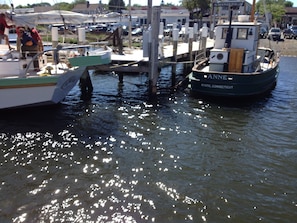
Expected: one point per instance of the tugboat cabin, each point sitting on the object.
(228, 54)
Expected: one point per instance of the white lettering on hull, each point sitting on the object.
(228, 87)
(217, 77)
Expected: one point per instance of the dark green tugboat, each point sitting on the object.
(236, 66)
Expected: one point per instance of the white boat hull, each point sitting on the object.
(23, 86)
(29, 95)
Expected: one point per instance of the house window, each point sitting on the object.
(242, 33)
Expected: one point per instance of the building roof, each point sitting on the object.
(291, 10)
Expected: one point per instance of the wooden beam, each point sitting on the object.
(124, 69)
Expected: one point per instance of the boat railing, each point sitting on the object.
(266, 62)
(200, 56)
(55, 58)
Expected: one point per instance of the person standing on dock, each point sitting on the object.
(35, 35)
(28, 44)
(3, 25)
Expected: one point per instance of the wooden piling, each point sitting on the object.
(174, 58)
(191, 34)
(85, 85)
(202, 44)
(186, 34)
(153, 71)
(195, 31)
(149, 12)
(121, 78)
(55, 37)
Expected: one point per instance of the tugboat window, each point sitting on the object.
(242, 33)
(224, 33)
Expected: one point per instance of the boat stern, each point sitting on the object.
(66, 83)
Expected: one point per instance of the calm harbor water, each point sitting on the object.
(122, 158)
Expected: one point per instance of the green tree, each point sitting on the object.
(34, 5)
(76, 2)
(289, 4)
(4, 6)
(275, 7)
(64, 6)
(197, 8)
(116, 5)
(61, 5)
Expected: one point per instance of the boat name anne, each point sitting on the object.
(217, 77)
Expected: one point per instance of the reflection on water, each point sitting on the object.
(121, 158)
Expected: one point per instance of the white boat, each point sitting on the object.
(83, 56)
(23, 86)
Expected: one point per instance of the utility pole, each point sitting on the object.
(130, 25)
(149, 12)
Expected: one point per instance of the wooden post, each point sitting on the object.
(191, 34)
(195, 31)
(174, 58)
(153, 71)
(120, 41)
(145, 43)
(149, 12)
(85, 85)
(55, 37)
(121, 78)
(186, 34)
(161, 40)
(202, 44)
(81, 35)
(188, 66)
(211, 19)
(130, 26)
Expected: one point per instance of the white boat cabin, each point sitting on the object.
(236, 53)
(12, 63)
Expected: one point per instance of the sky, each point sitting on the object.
(142, 2)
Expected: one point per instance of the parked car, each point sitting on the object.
(113, 26)
(294, 30)
(168, 30)
(263, 33)
(12, 36)
(72, 28)
(125, 30)
(136, 32)
(60, 27)
(288, 34)
(98, 28)
(274, 34)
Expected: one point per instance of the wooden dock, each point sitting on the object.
(133, 61)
